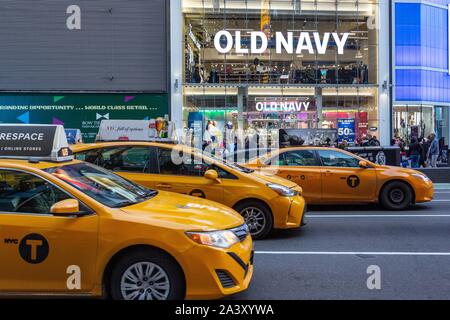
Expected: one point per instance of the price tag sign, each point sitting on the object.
(346, 130)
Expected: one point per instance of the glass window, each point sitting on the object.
(128, 159)
(25, 193)
(332, 158)
(189, 166)
(105, 187)
(299, 158)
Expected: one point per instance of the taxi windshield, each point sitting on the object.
(103, 186)
(232, 165)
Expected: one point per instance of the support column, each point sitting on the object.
(384, 78)
(319, 106)
(176, 63)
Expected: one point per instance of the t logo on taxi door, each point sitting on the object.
(353, 181)
(33, 248)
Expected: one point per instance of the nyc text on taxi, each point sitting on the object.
(69, 227)
(265, 201)
(334, 176)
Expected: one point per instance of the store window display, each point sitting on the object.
(333, 65)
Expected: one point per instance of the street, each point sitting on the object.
(328, 259)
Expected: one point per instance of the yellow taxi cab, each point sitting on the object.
(265, 201)
(334, 176)
(71, 228)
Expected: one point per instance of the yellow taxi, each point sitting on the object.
(334, 176)
(265, 201)
(71, 228)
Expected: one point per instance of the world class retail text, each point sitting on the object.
(19, 136)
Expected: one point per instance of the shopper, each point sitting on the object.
(414, 152)
(433, 151)
(374, 142)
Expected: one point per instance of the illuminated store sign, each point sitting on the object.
(259, 42)
(287, 106)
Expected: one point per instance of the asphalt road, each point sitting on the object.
(329, 258)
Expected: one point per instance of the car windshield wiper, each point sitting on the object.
(124, 203)
(149, 194)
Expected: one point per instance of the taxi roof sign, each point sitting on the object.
(34, 142)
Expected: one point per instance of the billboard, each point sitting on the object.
(80, 111)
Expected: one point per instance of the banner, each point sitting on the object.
(80, 111)
(346, 130)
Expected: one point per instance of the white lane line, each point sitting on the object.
(378, 216)
(353, 253)
(448, 200)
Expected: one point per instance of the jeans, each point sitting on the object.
(415, 161)
(433, 160)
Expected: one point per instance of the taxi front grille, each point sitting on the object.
(241, 232)
(225, 279)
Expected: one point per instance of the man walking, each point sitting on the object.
(433, 151)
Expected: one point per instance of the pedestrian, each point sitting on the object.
(373, 142)
(414, 152)
(433, 151)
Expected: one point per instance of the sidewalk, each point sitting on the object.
(442, 186)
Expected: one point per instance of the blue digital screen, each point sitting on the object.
(421, 40)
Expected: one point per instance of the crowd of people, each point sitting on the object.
(421, 152)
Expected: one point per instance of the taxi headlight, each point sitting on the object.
(422, 177)
(282, 190)
(219, 239)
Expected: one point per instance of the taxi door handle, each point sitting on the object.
(163, 185)
(328, 173)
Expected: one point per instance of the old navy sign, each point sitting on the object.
(224, 42)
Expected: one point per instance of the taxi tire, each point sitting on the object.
(399, 186)
(176, 277)
(267, 215)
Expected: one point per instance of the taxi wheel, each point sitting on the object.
(396, 196)
(147, 275)
(258, 218)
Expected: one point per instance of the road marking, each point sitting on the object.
(442, 192)
(378, 216)
(448, 200)
(353, 253)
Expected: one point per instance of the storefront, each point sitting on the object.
(421, 75)
(281, 64)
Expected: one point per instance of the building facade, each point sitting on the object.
(369, 67)
(421, 75)
(284, 64)
(78, 62)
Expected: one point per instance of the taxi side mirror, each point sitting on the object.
(66, 208)
(363, 164)
(212, 175)
(259, 163)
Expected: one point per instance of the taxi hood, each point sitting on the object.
(272, 178)
(185, 213)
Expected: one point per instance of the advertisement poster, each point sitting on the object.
(346, 130)
(80, 111)
(310, 137)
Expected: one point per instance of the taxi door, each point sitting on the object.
(343, 179)
(40, 252)
(303, 168)
(185, 174)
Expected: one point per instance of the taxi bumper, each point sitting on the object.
(212, 273)
(424, 192)
(288, 212)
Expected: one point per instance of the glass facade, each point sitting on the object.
(318, 64)
(422, 81)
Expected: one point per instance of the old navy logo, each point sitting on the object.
(259, 42)
(293, 106)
